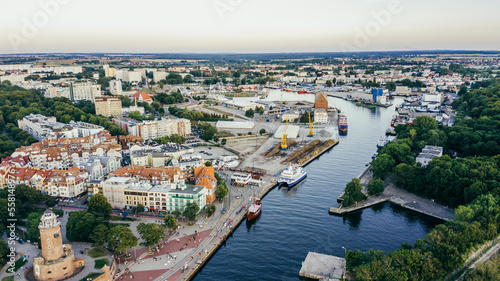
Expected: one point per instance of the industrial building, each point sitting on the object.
(292, 132)
(221, 125)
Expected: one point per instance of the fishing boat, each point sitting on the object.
(343, 124)
(254, 209)
(292, 175)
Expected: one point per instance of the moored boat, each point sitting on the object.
(292, 175)
(254, 209)
(343, 124)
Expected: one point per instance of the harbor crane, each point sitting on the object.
(311, 131)
(283, 138)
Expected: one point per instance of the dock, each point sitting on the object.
(397, 196)
(323, 267)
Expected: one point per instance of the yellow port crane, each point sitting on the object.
(311, 131)
(283, 138)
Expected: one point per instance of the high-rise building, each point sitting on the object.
(57, 260)
(108, 106)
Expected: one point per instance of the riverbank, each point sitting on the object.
(396, 196)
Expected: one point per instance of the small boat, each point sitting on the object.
(382, 142)
(292, 175)
(343, 124)
(420, 109)
(254, 209)
(435, 110)
(302, 92)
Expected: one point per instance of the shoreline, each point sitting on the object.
(397, 196)
(237, 221)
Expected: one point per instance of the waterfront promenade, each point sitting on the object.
(397, 196)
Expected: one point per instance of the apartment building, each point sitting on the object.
(156, 176)
(124, 192)
(158, 156)
(108, 106)
(56, 183)
(155, 129)
(47, 128)
(115, 87)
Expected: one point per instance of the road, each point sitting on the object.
(484, 258)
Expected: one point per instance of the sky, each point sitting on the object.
(247, 26)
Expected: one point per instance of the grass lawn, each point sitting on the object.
(101, 263)
(19, 263)
(91, 275)
(120, 218)
(97, 253)
(8, 278)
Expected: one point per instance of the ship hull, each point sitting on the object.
(292, 184)
(251, 216)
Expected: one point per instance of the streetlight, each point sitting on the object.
(345, 250)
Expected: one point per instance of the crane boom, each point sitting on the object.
(311, 131)
(283, 138)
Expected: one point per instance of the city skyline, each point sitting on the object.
(238, 26)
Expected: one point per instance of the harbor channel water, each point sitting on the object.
(296, 221)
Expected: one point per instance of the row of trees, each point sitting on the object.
(175, 138)
(197, 116)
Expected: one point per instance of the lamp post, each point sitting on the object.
(345, 250)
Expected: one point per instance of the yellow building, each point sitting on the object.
(108, 106)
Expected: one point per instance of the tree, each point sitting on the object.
(376, 186)
(32, 225)
(28, 195)
(329, 83)
(382, 165)
(208, 164)
(353, 192)
(80, 225)
(100, 205)
(391, 86)
(223, 141)
(49, 200)
(121, 238)
(151, 233)
(99, 235)
(261, 111)
(170, 222)
(139, 208)
(262, 131)
(191, 210)
(211, 209)
(221, 191)
(249, 113)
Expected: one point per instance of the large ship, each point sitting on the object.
(292, 175)
(254, 209)
(342, 124)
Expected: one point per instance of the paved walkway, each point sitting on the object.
(400, 197)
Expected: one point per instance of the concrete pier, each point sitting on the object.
(397, 196)
(320, 266)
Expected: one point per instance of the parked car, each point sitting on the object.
(223, 211)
